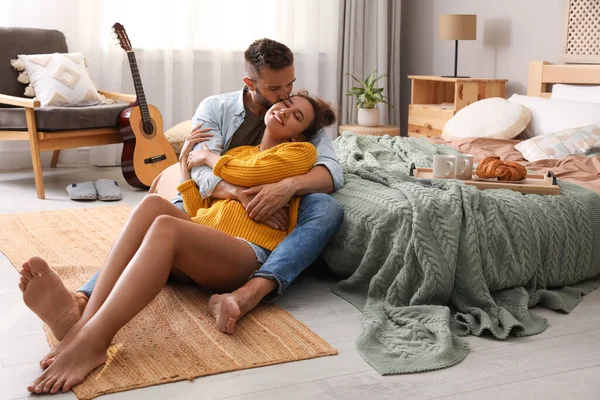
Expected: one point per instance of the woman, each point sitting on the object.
(160, 240)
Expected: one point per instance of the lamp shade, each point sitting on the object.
(457, 27)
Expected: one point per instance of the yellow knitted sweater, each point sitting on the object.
(248, 166)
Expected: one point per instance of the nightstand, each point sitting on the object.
(434, 100)
(371, 130)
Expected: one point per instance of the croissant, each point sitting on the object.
(511, 171)
(487, 167)
(493, 167)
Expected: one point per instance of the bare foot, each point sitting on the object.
(70, 368)
(226, 310)
(49, 358)
(46, 295)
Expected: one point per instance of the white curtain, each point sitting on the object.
(186, 49)
(370, 39)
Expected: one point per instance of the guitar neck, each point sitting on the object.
(139, 90)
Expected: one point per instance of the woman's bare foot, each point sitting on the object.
(49, 358)
(70, 368)
(46, 295)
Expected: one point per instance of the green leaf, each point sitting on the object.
(379, 77)
(367, 96)
(356, 79)
(370, 78)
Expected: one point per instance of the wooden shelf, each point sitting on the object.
(433, 107)
(426, 117)
(449, 79)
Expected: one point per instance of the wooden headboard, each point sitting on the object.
(542, 75)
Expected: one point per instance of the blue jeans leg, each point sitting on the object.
(178, 202)
(88, 287)
(319, 218)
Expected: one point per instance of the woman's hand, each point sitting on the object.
(198, 135)
(197, 157)
(202, 156)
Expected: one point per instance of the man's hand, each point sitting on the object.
(268, 199)
(279, 220)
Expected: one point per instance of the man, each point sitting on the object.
(237, 119)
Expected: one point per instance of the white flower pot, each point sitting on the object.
(368, 117)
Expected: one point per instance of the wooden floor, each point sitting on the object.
(562, 362)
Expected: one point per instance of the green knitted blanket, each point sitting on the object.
(429, 263)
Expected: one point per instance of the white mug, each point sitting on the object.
(443, 166)
(463, 166)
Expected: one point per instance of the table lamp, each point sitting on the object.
(457, 27)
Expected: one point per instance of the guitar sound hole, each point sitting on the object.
(148, 127)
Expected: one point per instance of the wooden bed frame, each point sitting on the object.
(542, 75)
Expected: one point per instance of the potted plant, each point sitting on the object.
(367, 98)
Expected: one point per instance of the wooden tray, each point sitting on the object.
(533, 183)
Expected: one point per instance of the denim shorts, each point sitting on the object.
(261, 253)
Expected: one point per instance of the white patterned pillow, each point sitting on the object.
(558, 145)
(60, 80)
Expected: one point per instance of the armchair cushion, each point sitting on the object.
(63, 118)
(14, 41)
(60, 80)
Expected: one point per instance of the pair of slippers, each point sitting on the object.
(103, 190)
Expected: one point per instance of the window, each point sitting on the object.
(196, 24)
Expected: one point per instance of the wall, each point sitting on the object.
(510, 33)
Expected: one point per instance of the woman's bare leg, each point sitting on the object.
(121, 253)
(211, 258)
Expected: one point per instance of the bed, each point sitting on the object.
(430, 262)
(584, 171)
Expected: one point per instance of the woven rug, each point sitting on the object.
(175, 337)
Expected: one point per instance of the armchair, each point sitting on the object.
(51, 128)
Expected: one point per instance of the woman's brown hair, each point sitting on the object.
(324, 114)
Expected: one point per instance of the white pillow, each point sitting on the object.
(60, 80)
(587, 94)
(549, 115)
(494, 118)
(558, 145)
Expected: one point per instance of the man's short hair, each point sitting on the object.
(267, 53)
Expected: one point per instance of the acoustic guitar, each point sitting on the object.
(146, 150)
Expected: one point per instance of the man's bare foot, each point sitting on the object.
(46, 295)
(70, 368)
(226, 310)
